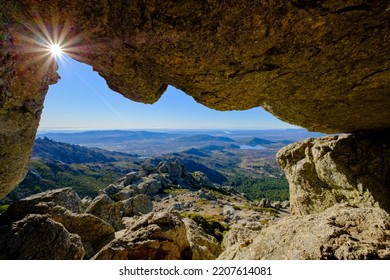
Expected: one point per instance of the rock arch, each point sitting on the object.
(323, 65)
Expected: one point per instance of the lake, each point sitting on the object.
(247, 147)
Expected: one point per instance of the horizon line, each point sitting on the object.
(160, 128)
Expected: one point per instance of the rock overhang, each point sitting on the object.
(323, 65)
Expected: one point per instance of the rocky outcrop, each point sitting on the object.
(93, 231)
(243, 232)
(323, 65)
(158, 236)
(38, 237)
(112, 212)
(154, 180)
(340, 232)
(42, 203)
(353, 168)
(107, 210)
(202, 245)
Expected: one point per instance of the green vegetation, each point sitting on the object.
(264, 222)
(210, 224)
(175, 191)
(258, 188)
(200, 202)
(3, 208)
(68, 153)
(85, 179)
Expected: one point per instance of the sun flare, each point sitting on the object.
(56, 50)
(50, 40)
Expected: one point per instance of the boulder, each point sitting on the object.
(125, 193)
(339, 232)
(38, 237)
(353, 168)
(172, 168)
(42, 203)
(158, 236)
(228, 211)
(91, 229)
(203, 246)
(138, 205)
(107, 210)
(202, 179)
(150, 186)
(276, 204)
(112, 212)
(132, 178)
(285, 204)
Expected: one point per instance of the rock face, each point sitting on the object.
(323, 65)
(340, 232)
(42, 203)
(157, 236)
(94, 232)
(203, 246)
(335, 169)
(20, 240)
(112, 212)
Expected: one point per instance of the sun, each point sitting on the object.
(56, 50)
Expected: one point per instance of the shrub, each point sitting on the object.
(209, 224)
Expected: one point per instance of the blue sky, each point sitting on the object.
(82, 100)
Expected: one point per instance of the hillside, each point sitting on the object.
(258, 141)
(88, 170)
(68, 153)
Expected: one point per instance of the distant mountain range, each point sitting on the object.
(107, 136)
(69, 153)
(204, 138)
(149, 143)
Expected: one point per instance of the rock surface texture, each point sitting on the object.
(157, 236)
(93, 231)
(42, 203)
(340, 232)
(38, 237)
(353, 168)
(203, 246)
(323, 65)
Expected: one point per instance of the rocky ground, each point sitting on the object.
(165, 212)
(160, 212)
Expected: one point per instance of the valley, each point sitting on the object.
(89, 161)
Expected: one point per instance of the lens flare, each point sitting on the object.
(55, 50)
(50, 39)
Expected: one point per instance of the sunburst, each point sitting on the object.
(48, 40)
(55, 50)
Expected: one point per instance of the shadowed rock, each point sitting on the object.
(93, 231)
(38, 237)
